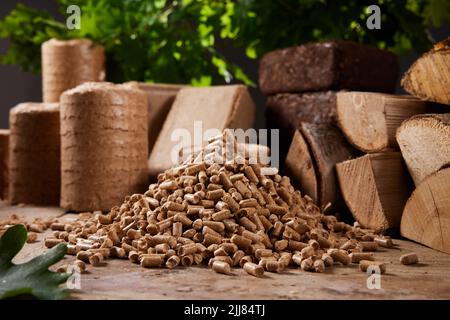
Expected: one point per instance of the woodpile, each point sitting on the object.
(424, 141)
(302, 84)
(196, 110)
(68, 63)
(34, 154)
(104, 145)
(4, 163)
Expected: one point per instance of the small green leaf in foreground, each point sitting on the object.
(32, 277)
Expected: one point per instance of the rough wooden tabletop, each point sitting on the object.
(120, 279)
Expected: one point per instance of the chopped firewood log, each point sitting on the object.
(312, 159)
(300, 166)
(369, 120)
(375, 188)
(425, 144)
(426, 217)
(429, 77)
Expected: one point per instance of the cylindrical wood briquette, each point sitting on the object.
(69, 63)
(34, 157)
(103, 145)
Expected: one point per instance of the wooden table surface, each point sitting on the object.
(120, 279)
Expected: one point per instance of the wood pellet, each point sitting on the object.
(223, 216)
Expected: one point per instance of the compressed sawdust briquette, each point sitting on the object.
(69, 63)
(34, 154)
(104, 145)
(172, 224)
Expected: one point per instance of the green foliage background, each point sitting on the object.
(176, 41)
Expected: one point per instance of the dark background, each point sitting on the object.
(17, 86)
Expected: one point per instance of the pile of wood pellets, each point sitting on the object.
(223, 215)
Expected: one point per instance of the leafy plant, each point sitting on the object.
(33, 277)
(183, 40)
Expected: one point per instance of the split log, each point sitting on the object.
(369, 120)
(425, 144)
(300, 166)
(429, 77)
(426, 217)
(313, 157)
(375, 188)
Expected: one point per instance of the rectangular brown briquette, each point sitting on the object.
(331, 65)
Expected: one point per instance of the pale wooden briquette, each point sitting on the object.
(424, 141)
(375, 188)
(369, 120)
(426, 217)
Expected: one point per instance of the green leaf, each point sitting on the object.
(32, 277)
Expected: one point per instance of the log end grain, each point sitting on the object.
(424, 141)
(300, 165)
(375, 187)
(369, 120)
(429, 77)
(426, 217)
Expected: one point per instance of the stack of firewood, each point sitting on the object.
(302, 84)
(392, 137)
